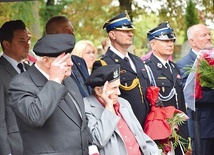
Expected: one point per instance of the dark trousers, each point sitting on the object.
(207, 146)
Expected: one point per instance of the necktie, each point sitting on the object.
(21, 67)
(127, 60)
(116, 108)
(168, 70)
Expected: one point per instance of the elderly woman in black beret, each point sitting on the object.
(112, 123)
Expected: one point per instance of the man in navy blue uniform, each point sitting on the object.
(201, 122)
(133, 76)
(164, 73)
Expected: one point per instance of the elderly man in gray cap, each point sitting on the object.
(47, 102)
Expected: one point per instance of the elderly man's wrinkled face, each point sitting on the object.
(202, 39)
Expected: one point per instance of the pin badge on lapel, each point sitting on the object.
(116, 60)
(159, 65)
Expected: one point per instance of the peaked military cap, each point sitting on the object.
(102, 74)
(162, 32)
(54, 44)
(120, 22)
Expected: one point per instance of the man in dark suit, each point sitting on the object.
(133, 76)
(201, 122)
(62, 25)
(47, 103)
(15, 44)
(164, 73)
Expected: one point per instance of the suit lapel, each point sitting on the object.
(192, 55)
(96, 106)
(40, 80)
(67, 110)
(175, 73)
(73, 90)
(8, 67)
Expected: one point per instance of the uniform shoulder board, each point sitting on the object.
(102, 56)
(147, 61)
(98, 63)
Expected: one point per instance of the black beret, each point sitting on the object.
(102, 74)
(162, 32)
(120, 22)
(54, 44)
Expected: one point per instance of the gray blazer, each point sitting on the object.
(47, 123)
(103, 126)
(10, 139)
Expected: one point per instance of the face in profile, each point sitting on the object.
(202, 39)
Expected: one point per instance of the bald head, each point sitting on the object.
(199, 37)
(59, 25)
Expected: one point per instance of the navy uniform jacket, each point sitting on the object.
(204, 106)
(166, 82)
(80, 74)
(129, 78)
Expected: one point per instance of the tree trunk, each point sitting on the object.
(126, 5)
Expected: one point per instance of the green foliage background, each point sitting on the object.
(88, 16)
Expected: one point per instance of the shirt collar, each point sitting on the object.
(118, 53)
(161, 60)
(43, 73)
(194, 51)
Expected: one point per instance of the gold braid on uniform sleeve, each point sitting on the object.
(103, 63)
(135, 82)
